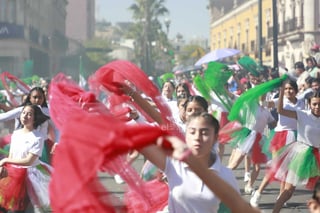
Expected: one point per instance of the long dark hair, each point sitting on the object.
(38, 89)
(39, 117)
(199, 99)
(185, 87)
(315, 94)
(210, 119)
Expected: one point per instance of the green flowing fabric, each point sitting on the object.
(248, 102)
(166, 77)
(202, 87)
(30, 80)
(267, 143)
(239, 137)
(216, 76)
(304, 164)
(249, 64)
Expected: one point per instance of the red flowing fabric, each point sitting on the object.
(92, 140)
(226, 131)
(121, 71)
(66, 97)
(88, 141)
(5, 78)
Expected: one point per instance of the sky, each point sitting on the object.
(189, 17)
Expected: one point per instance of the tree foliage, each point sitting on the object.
(148, 31)
(190, 54)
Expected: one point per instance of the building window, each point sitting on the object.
(12, 16)
(253, 47)
(3, 10)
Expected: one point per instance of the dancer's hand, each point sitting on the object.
(179, 150)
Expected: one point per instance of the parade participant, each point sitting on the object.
(302, 76)
(36, 96)
(167, 93)
(297, 163)
(182, 90)
(251, 145)
(313, 68)
(24, 180)
(285, 131)
(201, 135)
(249, 110)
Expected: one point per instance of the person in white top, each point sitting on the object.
(167, 93)
(36, 96)
(24, 180)
(302, 76)
(297, 163)
(251, 143)
(201, 136)
(199, 154)
(285, 131)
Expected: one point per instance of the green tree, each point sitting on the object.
(97, 50)
(190, 54)
(148, 31)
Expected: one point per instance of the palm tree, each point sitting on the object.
(147, 28)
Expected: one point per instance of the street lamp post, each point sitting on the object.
(260, 33)
(275, 34)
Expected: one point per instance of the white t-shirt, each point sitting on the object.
(262, 118)
(284, 122)
(188, 193)
(24, 143)
(308, 128)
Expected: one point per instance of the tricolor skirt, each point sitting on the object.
(282, 138)
(297, 164)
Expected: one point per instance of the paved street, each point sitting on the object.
(296, 204)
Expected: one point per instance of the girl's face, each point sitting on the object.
(167, 90)
(193, 108)
(27, 117)
(289, 91)
(315, 106)
(36, 97)
(182, 112)
(181, 92)
(200, 137)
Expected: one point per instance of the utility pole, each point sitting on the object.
(275, 34)
(260, 33)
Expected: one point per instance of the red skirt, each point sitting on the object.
(257, 156)
(13, 189)
(280, 139)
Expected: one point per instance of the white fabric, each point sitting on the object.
(262, 118)
(301, 81)
(38, 188)
(10, 115)
(308, 128)
(24, 143)
(284, 122)
(289, 175)
(188, 193)
(245, 147)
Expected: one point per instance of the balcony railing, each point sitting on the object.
(290, 25)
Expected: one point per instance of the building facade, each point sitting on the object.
(234, 24)
(80, 22)
(32, 30)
